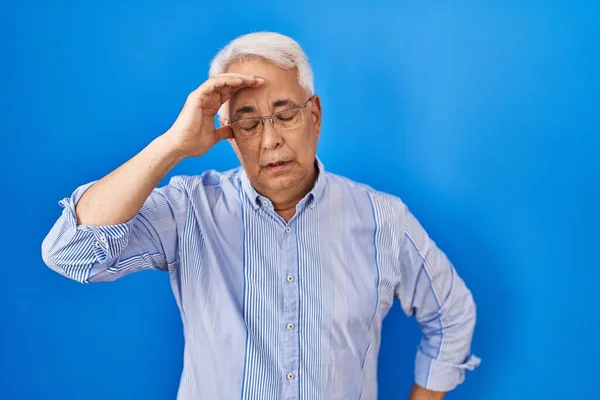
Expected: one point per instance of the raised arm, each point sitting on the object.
(122, 223)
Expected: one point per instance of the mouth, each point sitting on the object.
(277, 166)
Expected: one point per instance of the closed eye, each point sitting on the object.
(287, 115)
(248, 124)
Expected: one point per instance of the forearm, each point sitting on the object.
(418, 393)
(119, 196)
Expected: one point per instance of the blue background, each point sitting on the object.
(483, 117)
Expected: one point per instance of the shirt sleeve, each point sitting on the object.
(431, 290)
(88, 253)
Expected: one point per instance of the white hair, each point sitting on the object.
(271, 46)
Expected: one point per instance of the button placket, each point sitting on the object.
(291, 351)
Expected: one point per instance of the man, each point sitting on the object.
(282, 271)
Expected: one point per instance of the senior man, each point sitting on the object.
(282, 271)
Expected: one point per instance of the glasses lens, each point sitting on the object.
(289, 119)
(247, 126)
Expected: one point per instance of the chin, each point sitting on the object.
(282, 182)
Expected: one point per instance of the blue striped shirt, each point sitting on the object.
(276, 310)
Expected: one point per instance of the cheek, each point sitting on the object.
(304, 145)
(249, 152)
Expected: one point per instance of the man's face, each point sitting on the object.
(296, 147)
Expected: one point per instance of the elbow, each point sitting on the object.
(56, 258)
(471, 311)
(50, 257)
(463, 314)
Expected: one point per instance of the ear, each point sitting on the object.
(316, 113)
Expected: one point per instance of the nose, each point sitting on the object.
(271, 138)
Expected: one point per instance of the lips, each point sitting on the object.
(276, 164)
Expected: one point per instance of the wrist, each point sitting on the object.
(170, 148)
(419, 393)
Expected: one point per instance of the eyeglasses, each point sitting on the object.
(285, 120)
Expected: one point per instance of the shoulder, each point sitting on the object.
(206, 189)
(387, 211)
(209, 180)
(380, 200)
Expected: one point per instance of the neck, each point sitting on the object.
(285, 201)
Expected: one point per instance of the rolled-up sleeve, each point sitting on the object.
(87, 253)
(431, 290)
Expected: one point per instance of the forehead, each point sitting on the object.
(279, 83)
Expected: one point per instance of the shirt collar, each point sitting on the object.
(310, 199)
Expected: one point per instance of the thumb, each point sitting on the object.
(224, 132)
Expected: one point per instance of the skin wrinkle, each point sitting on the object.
(249, 109)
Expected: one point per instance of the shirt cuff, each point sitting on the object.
(440, 376)
(107, 241)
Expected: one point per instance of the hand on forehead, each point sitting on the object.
(281, 89)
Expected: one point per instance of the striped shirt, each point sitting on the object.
(276, 310)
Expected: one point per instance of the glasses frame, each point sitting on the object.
(271, 117)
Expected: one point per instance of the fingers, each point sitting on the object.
(228, 84)
(245, 77)
(224, 132)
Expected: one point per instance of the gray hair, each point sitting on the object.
(271, 46)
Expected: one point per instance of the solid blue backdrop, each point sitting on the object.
(482, 117)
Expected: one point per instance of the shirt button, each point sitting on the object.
(96, 244)
(290, 326)
(290, 278)
(103, 239)
(290, 376)
(265, 203)
(288, 229)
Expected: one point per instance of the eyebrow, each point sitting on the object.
(275, 104)
(284, 102)
(244, 110)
